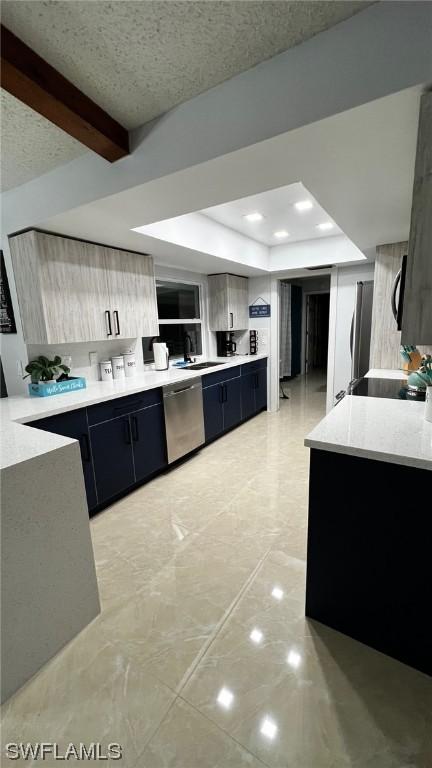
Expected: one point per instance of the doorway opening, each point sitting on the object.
(304, 329)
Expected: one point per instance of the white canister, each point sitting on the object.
(428, 404)
(105, 368)
(129, 364)
(118, 367)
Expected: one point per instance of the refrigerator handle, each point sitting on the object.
(355, 331)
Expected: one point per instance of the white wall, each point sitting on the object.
(312, 253)
(342, 302)
(200, 233)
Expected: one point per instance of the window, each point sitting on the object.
(179, 315)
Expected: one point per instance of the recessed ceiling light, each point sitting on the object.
(325, 225)
(303, 205)
(225, 698)
(281, 233)
(255, 216)
(268, 728)
(256, 636)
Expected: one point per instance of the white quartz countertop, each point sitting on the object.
(386, 373)
(376, 428)
(21, 443)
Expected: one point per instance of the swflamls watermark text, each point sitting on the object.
(42, 750)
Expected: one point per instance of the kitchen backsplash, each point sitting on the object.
(80, 352)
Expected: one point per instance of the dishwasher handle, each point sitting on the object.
(180, 391)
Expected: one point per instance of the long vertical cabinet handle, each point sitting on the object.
(221, 393)
(108, 322)
(85, 447)
(225, 392)
(127, 431)
(256, 381)
(135, 431)
(231, 320)
(116, 318)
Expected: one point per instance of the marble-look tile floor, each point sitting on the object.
(202, 656)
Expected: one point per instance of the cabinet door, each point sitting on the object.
(219, 319)
(111, 444)
(213, 411)
(149, 442)
(238, 305)
(232, 403)
(74, 424)
(261, 390)
(417, 303)
(74, 289)
(248, 383)
(132, 294)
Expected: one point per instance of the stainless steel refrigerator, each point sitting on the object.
(361, 325)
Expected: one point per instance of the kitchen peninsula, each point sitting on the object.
(370, 527)
(49, 588)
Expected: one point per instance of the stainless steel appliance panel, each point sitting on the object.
(361, 329)
(184, 417)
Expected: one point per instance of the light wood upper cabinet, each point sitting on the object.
(132, 292)
(385, 337)
(228, 302)
(72, 291)
(417, 299)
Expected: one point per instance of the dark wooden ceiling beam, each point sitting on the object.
(36, 83)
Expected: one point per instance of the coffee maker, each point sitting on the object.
(226, 346)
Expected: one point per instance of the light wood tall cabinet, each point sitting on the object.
(385, 337)
(417, 296)
(228, 302)
(71, 291)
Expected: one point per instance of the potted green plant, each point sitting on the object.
(43, 373)
(43, 369)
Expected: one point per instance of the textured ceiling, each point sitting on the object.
(138, 59)
(30, 144)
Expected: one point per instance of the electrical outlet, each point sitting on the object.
(20, 368)
(93, 357)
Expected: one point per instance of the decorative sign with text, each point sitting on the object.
(7, 319)
(259, 310)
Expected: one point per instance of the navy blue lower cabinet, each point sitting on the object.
(111, 444)
(149, 441)
(232, 403)
(261, 389)
(248, 385)
(74, 424)
(213, 411)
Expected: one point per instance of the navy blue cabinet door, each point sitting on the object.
(149, 442)
(74, 424)
(248, 382)
(261, 390)
(111, 444)
(213, 411)
(232, 403)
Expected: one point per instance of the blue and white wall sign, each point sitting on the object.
(259, 310)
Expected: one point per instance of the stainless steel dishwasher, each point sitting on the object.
(184, 417)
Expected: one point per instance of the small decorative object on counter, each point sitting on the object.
(106, 372)
(129, 364)
(253, 342)
(423, 377)
(161, 356)
(411, 358)
(43, 384)
(118, 367)
(428, 405)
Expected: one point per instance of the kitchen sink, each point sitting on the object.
(200, 366)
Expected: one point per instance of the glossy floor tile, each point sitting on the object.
(202, 656)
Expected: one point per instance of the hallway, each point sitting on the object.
(202, 656)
